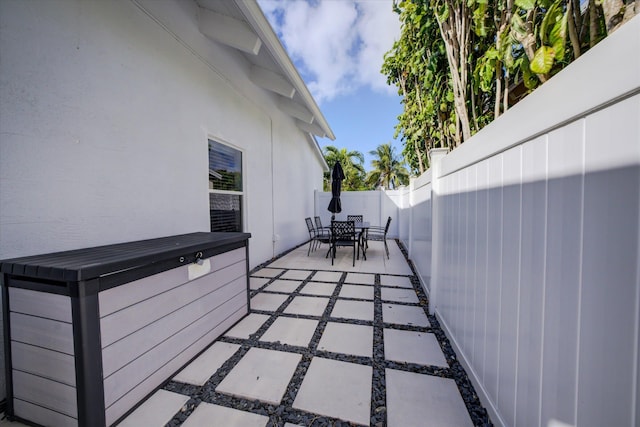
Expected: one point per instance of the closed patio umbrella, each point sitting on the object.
(337, 175)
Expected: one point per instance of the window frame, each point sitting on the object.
(243, 171)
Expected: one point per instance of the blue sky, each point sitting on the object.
(338, 48)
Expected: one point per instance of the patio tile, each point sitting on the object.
(247, 326)
(413, 347)
(327, 276)
(336, 389)
(157, 410)
(399, 295)
(360, 278)
(356, 291)
(347, 339)
(296, 274)
(268, 272)
(311, 306)
(361, 310)
(261, 374)
(313, 288)
(287, 286)
(201, 369)
(400, 281)
(413, 398)
(267, 302)
(404, 315)
(257, 282)
(207, 414)
(291, 331)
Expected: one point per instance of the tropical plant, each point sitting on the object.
(352, 166)
(388, 169)
(459, 64)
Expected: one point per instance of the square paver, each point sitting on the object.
(287, 286)
(360, 278)
(314, 288)
(347, 339)
(413, 398)
(361, 310)
(413, 347)
(336, 389)
(399, 295)
(356, 291)
(247, 326)
(327, 276)
(404, 315)
(201, 369)
(207, 414)
(399, 281)
(311, 306)
(261, 374)
(267, 302)
(268, 272)
(296, 274)
(156, 411)
(257, 282)
(291, 331)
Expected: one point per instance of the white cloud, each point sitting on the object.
(338, 45)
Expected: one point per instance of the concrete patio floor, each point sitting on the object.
(322, 345)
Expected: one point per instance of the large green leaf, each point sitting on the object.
(542, 60)
(526, 4)
(558, 37)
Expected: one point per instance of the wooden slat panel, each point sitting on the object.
(120, 297)
(124, 322)
(41, 415)
(50, 364)
(43, 392)
(127, 378)
(133, 346)
(51, 306)
(126, 402)
(45, 333)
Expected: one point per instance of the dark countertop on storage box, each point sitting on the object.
(90, 263)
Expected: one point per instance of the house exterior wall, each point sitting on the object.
(105, 112)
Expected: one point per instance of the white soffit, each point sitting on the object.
(229, 31)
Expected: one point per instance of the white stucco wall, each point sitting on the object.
(105, 112)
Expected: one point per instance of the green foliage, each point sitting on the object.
(352, 166)
(388, 169)
(515, 46)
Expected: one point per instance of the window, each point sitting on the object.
(225, 187)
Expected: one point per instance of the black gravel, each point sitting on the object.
(284, 412)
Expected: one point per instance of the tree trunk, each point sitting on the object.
(573, 16)
(593, 24)
(613, 13)
(455, 34)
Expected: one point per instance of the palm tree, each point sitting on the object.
(352, 165)
(388, 169)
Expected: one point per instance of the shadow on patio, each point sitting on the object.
(325, 345)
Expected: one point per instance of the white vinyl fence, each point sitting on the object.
(535, 247)
(526, 239)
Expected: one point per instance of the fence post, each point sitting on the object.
(435, 156)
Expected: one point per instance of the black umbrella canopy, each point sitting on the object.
(337, 175)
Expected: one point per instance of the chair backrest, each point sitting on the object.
(356, 218)
(386, 228)
(343, 230)
(310, 226)
(318, 223)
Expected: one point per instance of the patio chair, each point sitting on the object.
(313, 235)
(379, 234)
(343, 233)
(361, 236)
(320, 229)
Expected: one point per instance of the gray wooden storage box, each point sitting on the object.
(90, 333)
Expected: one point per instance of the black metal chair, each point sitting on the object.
(362, 236)
(320, 229)
(379, 234)
(343, 233)
(312, 235)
